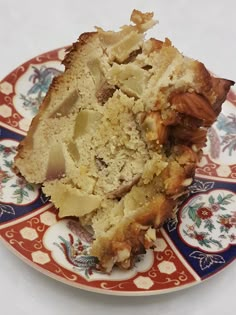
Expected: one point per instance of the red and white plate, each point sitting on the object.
(194, 246)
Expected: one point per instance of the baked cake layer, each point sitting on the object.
(118, 136)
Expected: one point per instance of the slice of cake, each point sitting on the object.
(118, 136)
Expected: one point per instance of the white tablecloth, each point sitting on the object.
(203, 29)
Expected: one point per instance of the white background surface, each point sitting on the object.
(203, 29)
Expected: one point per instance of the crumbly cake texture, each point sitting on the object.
(118, 136)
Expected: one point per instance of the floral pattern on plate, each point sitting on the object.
(23, 89)
(13, 189)
(70, 244)
(32, 86)
(207, 260)
(40, 238)
(208, 221)
(219, 154)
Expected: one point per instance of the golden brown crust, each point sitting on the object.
(195, 105)
(221, 88)
(27, 142)
(72, 51)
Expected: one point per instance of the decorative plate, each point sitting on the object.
(196, 245)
